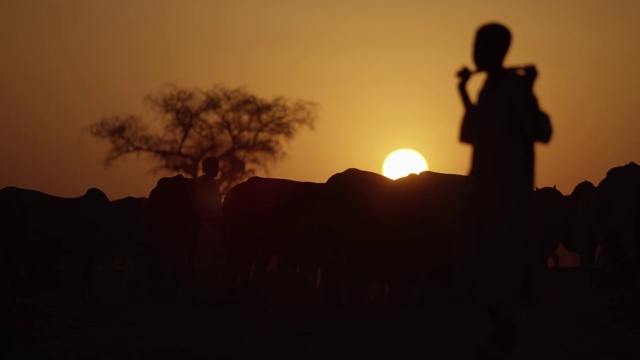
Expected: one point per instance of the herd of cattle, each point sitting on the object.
(356, 236)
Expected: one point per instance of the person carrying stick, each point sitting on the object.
(502, 126)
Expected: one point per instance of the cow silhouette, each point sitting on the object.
(585, 227)
(618, 202)
(551, 227)
(126, 258)
(49, 243)
(409, 241)
(173, 225)
(267, 217)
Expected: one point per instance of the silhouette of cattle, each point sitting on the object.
(49, 243)
(618, 202)
(412, 227)
(126, 255)
(267, 217)
(428, 213)
(371, 195)
(174, 225)
(415, 242)
(551, 227)
(130, 222)
(550, 230)
(585, 230)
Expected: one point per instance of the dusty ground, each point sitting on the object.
(569, 325)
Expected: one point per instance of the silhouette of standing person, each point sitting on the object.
(502, 126)
(209, 198)
(209, 206)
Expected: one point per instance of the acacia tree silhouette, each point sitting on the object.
(245, 131)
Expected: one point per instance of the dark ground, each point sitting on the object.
(572, 322)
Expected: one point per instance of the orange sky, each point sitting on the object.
(382, 72)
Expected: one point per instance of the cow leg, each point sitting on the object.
(87, 280)
(237, 276)
(259, 287)
(631, 251)
(357, 285)
(189, 282)
(15, 278)
(630, 274)
(160, 273)
(7, 281)
(231, 278)
(284, 266)
(331, 285)
(310, 278)
(587, 260)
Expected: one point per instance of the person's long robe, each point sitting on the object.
(502, 127)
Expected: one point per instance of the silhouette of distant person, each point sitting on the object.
(208, 196)
(502, 126)
(209, 206)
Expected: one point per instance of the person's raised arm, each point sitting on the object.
(464, 76)
(466, 132)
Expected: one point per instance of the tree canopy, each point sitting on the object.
(246, 132)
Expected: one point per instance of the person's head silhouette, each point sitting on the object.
(211, 166)
(490, 47)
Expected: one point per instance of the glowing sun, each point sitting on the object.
(403, 162)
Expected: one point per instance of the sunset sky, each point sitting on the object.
(383, 73)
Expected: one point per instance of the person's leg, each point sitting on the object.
(503, 328)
